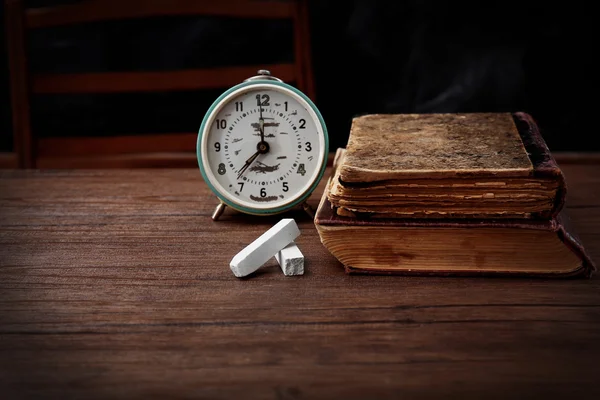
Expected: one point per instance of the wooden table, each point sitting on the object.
(115, 284)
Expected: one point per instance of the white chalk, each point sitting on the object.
(291, 260)
(253, 256)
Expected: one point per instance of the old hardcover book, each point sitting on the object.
(477, 165)
(410, 246)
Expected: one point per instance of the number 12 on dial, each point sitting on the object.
(262, 146)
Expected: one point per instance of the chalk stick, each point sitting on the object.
(291, 260)
(253, 256)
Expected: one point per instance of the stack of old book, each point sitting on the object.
(449, 194)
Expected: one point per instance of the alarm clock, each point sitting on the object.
(262, 146)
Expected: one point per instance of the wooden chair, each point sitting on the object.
(177, 149)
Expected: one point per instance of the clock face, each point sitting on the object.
(263, 147)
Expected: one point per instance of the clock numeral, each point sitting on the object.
(286, 105)
(285, 187)
(217, 146)
(301, 170)
(221, 123)
(221, 169)
(265, 100)
(241, 185)
(263, 192)
(302, 123)
(308, 146)
(239, 106)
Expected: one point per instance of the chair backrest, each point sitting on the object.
(133, 150)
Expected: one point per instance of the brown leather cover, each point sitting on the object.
(560, 225)
(544, 164)
(391, 147)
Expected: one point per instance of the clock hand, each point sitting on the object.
(261, 125)
(247, 164)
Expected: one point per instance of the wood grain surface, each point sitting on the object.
(115, 284)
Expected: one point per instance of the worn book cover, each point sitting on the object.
(474, 165)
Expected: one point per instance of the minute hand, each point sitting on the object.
(261, 125)
(247, 164)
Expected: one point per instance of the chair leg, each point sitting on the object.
(304, 54)
(19, 89)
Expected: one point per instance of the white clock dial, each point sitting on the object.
(263, 147)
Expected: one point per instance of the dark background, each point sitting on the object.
(368, 57)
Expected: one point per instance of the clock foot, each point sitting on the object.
(309, 210)
(218, 211)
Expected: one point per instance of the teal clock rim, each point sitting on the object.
(250, 210)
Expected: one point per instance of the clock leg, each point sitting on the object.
(309, 210)
(218, 211)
